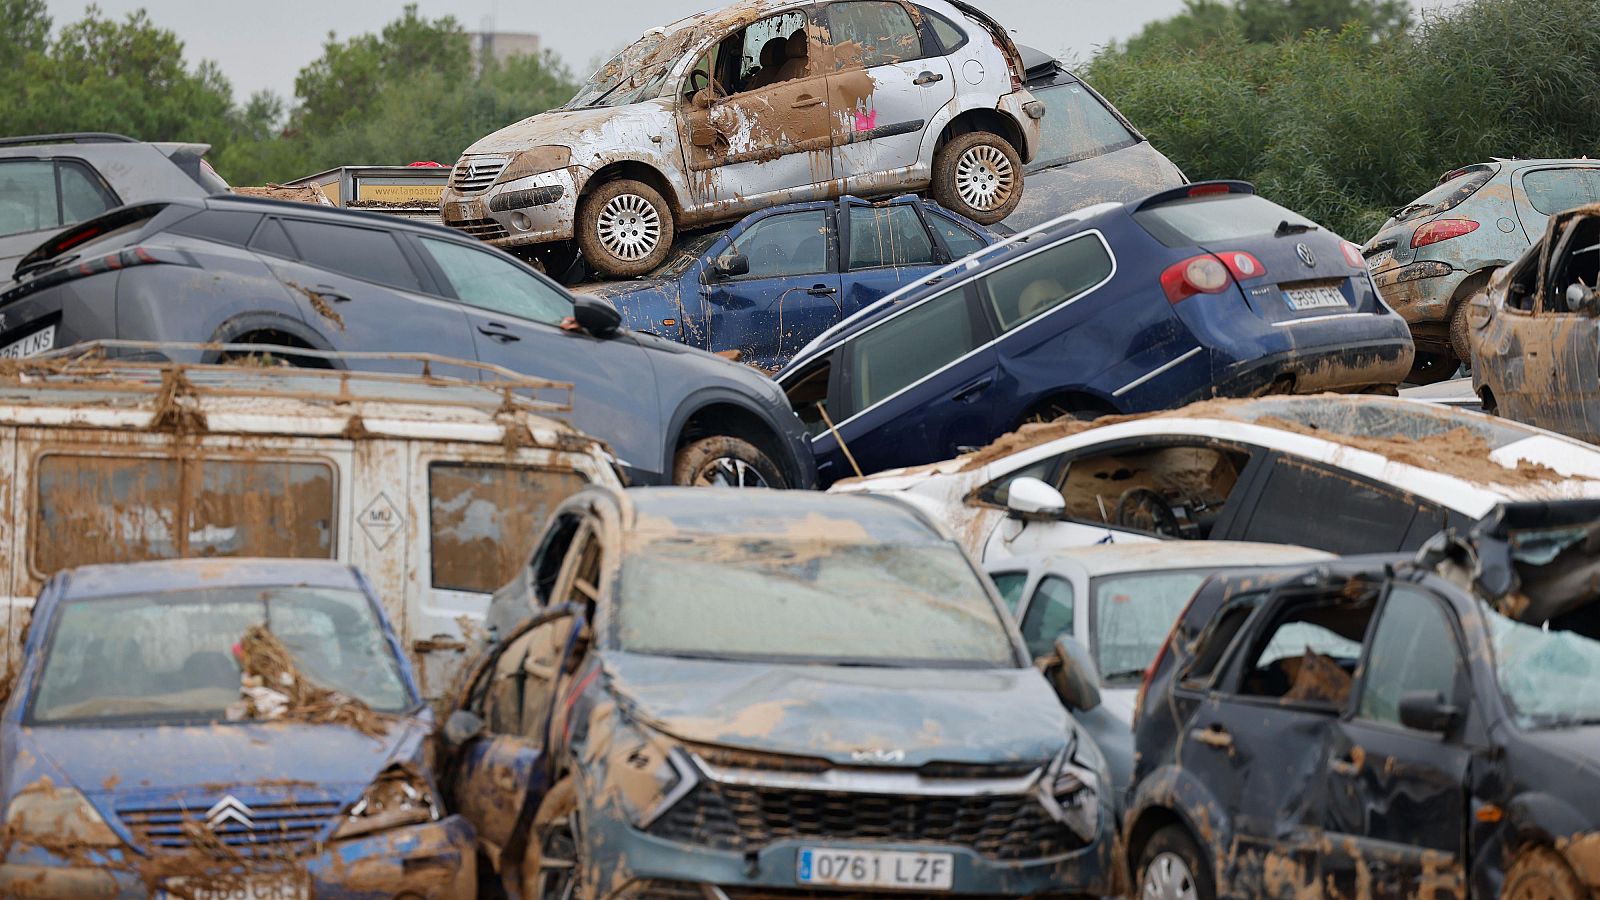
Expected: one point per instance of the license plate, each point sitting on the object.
(1377, 260)
(1314, 298)
(877, 869)
(277, 887)
(463, 209)
(38, 342)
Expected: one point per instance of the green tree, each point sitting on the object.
(1204, 22)
(27, 31)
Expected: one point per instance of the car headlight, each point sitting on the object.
(51, 816)
(399, 796)
(1070, 791)
(536, 161)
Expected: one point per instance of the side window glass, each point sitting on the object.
(773, 50)
(1178, 491)
(998, 491)
(483, 519)
(1414, 649)
(488, 282)
(1350, 515)
(901, 351)
(225, 226)
(867, 33)
(958, 239)
(28, 196)
(949, 34)
(104, 509)
(790, 244)
(1556, 190)
(1010, 585)
(1309, 655)
(365, 253)
(883, 236)
(1217, 638)
(1575, 263)
(809, 395)
(272, 240)
(263, 508)
(82, 195)
(1039, 283)
(1049, 615)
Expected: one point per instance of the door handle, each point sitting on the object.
(498, 332)
(1213, 736)
(805, 101)
(328, 293)
(927, 78)
(1345, 766)
(972, 390)
(821, 290)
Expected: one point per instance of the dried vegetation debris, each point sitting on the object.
(272, 687)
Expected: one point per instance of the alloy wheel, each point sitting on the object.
(629, 227)
(984, 177)
(558, 862)
(1167, 877)
(729, 471)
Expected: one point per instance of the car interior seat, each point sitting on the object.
(770, 60)
(796, 57)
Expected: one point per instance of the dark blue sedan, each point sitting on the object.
(1201, 291)
(141, 753)
(764, 288)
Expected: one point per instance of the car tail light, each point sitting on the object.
(1241, 265)
(1203, 274)
(1352, 255)
(1441, 230)
(111, 262)
(1206, 190)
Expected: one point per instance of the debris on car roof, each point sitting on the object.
(1534, 562)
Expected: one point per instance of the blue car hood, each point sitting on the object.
(846, 714)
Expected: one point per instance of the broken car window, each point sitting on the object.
(172, 655)
(1414, 649)
(1447, 196)
(812, 599)
(1556, 190)
(1132, 616)
(488, 282)
(1311, 653)
(1076, 125)
(869, 33)
(771, 51)
(882, 236)
(1036, 284)
(484, 519)
(1049, 615)
(1549, 676)
(790, 244)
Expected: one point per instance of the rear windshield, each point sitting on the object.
(1077, 126)
(1447, 195)
(1132, 615)
(1200, 221)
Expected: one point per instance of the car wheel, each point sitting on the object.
(1173, 868)
(1539, 873)
(723, 461)
(978, 175)
(550, 867)
(624, 228)
(1458, 332)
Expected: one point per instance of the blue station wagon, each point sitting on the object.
(1202, 291)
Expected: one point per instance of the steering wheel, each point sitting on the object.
(705, 78)
(1147, 510)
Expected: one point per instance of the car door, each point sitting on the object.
(885, 247)
(882, 93)
(1395, 801)
(1354, 514)
(515, 319)
(359, 289)
(1543, 191)
(789, 295)
(757, 132)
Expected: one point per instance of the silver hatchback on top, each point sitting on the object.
(763, 102)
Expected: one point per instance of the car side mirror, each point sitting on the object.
(596, 316)
(1029, 497)
(730, 265)
(1075, 676)
(1582, 298)
(461, 727)
(1428, 711)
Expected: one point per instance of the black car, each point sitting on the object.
(245, 270)
(1383, 728)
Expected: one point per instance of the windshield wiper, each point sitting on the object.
(1287, 227)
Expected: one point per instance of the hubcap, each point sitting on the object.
(1168, 878)
(984, 178)
(629, 227)
(727, 471)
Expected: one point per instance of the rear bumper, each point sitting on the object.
(1421, 292)
(1314, 369)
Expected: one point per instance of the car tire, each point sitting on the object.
(624, 228)
(1539, 873)
(725, 461)
(551, 868)
(1458, 332)
(1172, 867)
(979, 175)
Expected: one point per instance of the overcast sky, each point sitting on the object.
(263, 45)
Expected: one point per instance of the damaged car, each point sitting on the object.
(748, 694)
(1436, 252)
(760, 103)
(211, 729)
(1422, 728)
(1204, 291)
(1334, 473)
(761, 290)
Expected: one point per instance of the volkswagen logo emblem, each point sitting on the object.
(1306, 256)
(229, 810)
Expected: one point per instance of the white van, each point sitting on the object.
(434, 487)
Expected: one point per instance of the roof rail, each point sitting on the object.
(497, 388)
(69, 137)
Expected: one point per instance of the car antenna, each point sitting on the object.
(823, 408)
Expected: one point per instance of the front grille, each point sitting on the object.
(482, 229)
(474, 174)
(745, 817)
(276, 829)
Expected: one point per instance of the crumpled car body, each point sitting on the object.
(1429, 726)
(117, 783)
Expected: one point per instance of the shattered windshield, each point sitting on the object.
(1550, 677)
(1133, 613)
(637, 72)
(177, 655)
(811, 600)
(1356, 418)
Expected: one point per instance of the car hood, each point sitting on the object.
(643, 304)
(1578, 750)
(584, 131)
(847, 714)
(609, 290)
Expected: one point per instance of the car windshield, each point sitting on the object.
(1077, 125)
(1132, 616)
(817, 600)
(638, 71)
(173, 655)
(1550, 677)
(1211, 218)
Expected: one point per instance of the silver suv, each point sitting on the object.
(761, 103)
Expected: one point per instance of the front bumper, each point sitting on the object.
(535, 209)
(436, 861)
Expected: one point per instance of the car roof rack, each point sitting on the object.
(497, 388)
(69, 137)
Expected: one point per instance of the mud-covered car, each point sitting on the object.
(760, 103)
(1419, 728)
(1436, 252)
(1203, 291)
(206, 728)
(761, 290)
(1340, 474)
(1534, 335)
(752, 694)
